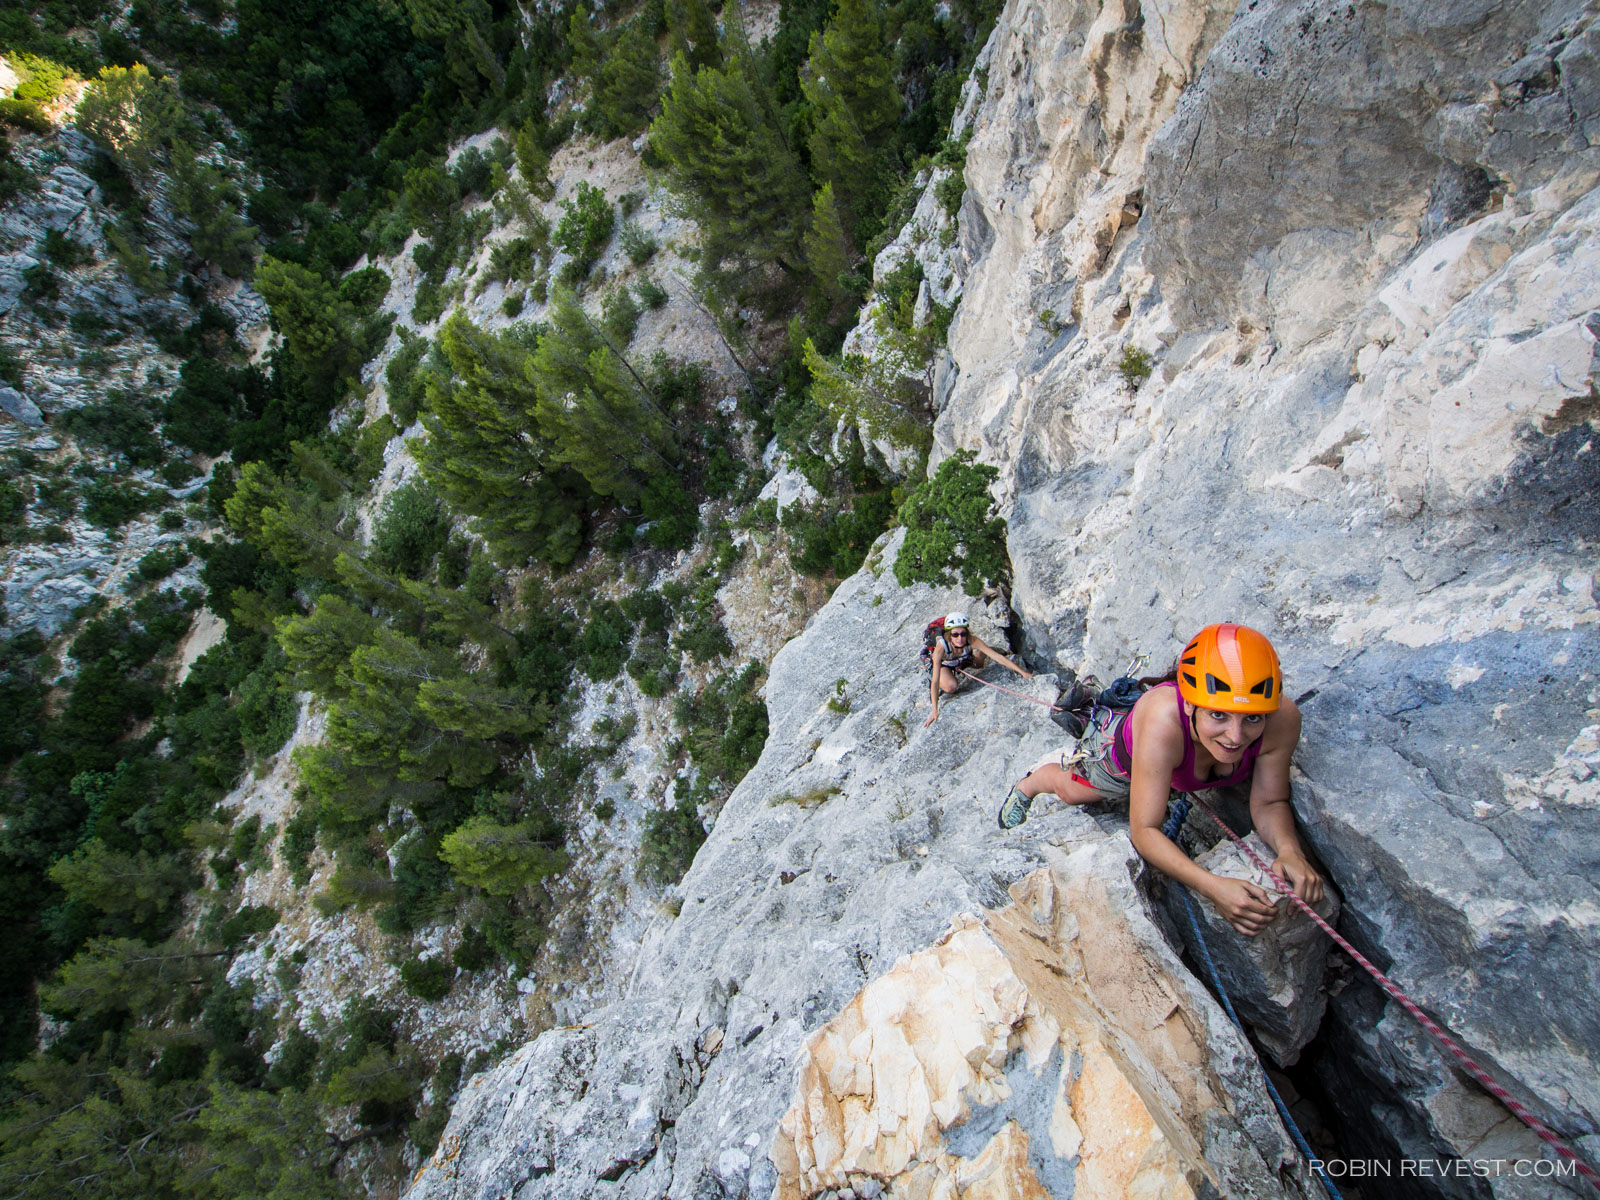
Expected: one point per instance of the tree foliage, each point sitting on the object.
(730, 164)
(501, 859)
(486, 455)
(951, 528)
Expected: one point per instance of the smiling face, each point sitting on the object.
(1227, 735)
(959, 637)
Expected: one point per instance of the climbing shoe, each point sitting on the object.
(1014, 809)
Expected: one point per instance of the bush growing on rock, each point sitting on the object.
(587, 220)
(428, 979)
(671, 838)
(951, 528)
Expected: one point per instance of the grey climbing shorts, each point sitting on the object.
(1090, 761)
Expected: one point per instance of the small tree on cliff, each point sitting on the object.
(951, 528)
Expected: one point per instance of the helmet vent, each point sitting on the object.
(1215, 685)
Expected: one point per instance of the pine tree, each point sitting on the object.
(729, 165)
(694, 33)
(132, 114)
(303, 532)
(485, 454)
(627, 83)
(318, 326)
(595, 409)
(533, 160)
(586, 47)
(850, 83)
(202, 193)
(267, 1145)
(111, 975)
(141, 887)
(461, 28)
(827, 253)
(319, 644)
(875, 395)
(500, 859)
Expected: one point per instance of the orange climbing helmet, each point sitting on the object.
(1232, 668)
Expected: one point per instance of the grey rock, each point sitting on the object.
(1297, 100)
(17, 406)
(853, 841)
(1274, 979)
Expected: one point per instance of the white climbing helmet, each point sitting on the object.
(956, 620)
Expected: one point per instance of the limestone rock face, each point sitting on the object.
(1356, 245)
(1275, 979)
(859, 839)
(1055, 1047)
(1361, 271)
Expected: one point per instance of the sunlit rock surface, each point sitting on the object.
(1357, 245)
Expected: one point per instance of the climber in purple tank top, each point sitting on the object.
(1220, 720)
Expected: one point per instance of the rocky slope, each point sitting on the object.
(1038, 1039)
(1359, 246)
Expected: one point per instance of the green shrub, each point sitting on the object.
(111, 506)
(650, 293)
(249, 920)
(299, 841)
(406, 378)
(949, 191)
(673, 516)
(121, 424)
(587, 219)
(671, 838)
(162, 561)
(473, 953)
(831, 539)
(427, 979)
(11, 367)
(365, 289)
(176, 472)
(412, 528)
(267, 708)
(620, 316)
(472, 172)
(951, 528)
(639, 246)
(64, 252)
(647, 609)
(704, 638)
(654, 666)
(1135, 366)
(603, 646)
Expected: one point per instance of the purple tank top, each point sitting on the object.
(1183, 779)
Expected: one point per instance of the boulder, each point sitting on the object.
(19, 408)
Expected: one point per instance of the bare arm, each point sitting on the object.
(994, 655)
(937, 654)
(1270, 810)
(1157, 751)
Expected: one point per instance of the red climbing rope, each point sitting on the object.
(1009, 692)
(1439, 1035)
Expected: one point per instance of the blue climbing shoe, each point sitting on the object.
(1014, 809)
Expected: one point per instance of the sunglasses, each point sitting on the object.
(959, 633)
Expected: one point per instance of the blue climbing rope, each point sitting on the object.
(1176, 815)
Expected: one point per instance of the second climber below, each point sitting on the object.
(957, 649)
(1218, 720)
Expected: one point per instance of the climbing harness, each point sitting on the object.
(1174, 822)
(1467, 1063)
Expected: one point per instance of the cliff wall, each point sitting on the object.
(1357, 245)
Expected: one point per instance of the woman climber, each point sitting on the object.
(954, 650)
(1219, 719)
